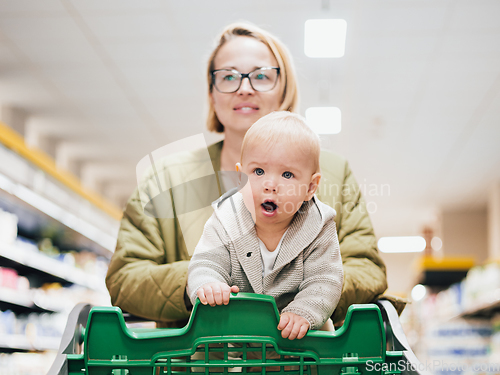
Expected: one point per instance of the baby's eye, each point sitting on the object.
(259, 171)
(287, 175)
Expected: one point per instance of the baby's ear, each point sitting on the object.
(313, 185)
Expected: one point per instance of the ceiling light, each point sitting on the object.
(324, 120)
(409, 244)
(436, 243)
(325, 38)
(418, 292)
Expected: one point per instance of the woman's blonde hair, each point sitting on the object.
(284, 128)
(288, 79)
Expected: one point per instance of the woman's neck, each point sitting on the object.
(231, 151)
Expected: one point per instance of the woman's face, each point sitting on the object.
(237, 111)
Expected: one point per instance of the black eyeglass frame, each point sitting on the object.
(243, 76)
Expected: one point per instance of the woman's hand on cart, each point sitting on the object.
(293, 326)
(216, 293)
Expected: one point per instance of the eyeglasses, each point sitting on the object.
(229, 80)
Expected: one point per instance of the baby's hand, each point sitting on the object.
(293, 326)
(216, 293)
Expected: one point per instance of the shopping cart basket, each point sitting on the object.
(227, 338)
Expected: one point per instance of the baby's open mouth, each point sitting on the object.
(269, 206)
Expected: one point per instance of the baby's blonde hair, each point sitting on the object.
(284, 127)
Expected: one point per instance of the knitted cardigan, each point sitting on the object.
(307, 276)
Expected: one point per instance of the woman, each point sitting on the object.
(250, 74)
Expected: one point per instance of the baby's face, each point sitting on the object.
(281, 179)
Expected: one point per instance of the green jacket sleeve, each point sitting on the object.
(147, 274)
(364, 270)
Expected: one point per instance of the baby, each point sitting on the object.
(274, 237)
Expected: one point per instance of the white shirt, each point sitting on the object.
(269, 257)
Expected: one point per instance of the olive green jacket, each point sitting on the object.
(147, 274)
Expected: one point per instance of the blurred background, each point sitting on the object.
(88, 88)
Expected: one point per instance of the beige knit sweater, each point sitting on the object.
(307, 276)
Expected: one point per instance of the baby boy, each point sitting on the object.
(274, 237)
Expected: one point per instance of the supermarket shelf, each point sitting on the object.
(44, 162)
(48, 203)
(485, 311)
(484, 308)
(443, 272)
(24, 256)
(446, 263)
(30, 301)
(19, 302)
(97, 232)
(13, 343)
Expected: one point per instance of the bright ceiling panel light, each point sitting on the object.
(409, 244)
(324, 120)
(325, 38)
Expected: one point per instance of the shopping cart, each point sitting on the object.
(227, 338)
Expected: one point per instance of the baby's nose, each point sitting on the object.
(271, 185)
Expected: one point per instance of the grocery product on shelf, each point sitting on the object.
(31, 331)
(26, 363)
(495, 339)
(458, 346)
(8, 227)
(481, 287)
(39, 285)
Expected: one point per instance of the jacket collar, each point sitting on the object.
(304, 228)
(240, 227)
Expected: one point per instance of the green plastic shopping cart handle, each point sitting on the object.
(247, 318)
